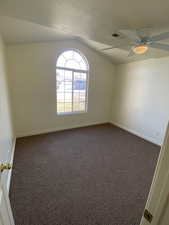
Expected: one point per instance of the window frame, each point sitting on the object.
(73, 71)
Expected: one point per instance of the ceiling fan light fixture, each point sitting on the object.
(140, 49)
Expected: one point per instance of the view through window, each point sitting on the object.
(71, 82)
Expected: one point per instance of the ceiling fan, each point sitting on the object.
(140, 42)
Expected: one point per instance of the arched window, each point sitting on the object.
(71, 82)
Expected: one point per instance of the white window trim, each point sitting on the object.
(70, 69)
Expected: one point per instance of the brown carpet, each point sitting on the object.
(97, 175)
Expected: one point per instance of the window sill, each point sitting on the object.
(70, 113)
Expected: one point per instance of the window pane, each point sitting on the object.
(76, 106)
(72, 59)
(68, 96)
(71, 63)
(60, 80)
(79, 91)
(68, 76)
(61, 61)
(60, 107)
(83, 76)
(76, 96)
(82, 96)
(77, 57)
(83, 65)
(60, 97)
(79, 81)
(67, 86)
(82, 106)
(68, 54)
(68, 107)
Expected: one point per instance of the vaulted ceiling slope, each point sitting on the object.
(91, 21)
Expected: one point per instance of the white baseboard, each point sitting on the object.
(49, 130)
(11, 162)
(150, 139)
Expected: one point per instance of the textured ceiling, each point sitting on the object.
(91, 21)
(20, 31)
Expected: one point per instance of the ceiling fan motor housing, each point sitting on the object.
(115, 35)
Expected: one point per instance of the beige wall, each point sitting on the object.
(32, 78)
(141, 98)
(6, 133)
(137, 92)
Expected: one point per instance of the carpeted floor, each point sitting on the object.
(97, 175)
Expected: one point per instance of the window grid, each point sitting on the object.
(71, 85)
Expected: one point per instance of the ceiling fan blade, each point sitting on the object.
(131, 34)
(117, 46)
(104, 49)
(160, 46)
(131, 53)
(159, 37)
(143, 33)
